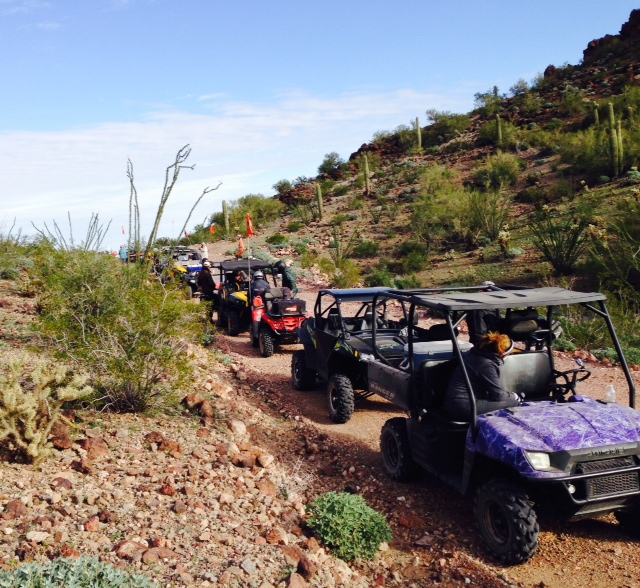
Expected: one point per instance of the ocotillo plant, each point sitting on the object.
(319, 197)
(225, 212)
(613, 142)
(367, 182)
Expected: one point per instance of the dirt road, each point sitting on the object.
(586, 553)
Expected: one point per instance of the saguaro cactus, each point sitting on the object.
(499, 129)
(418, 133)
(225, 212)
(620, 148)
(319, 197)
(596, 113)
(614, 152)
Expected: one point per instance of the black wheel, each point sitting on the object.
(507, 521)
(221, 320)
(395, 449)
(301, 376)
(252, 337)
(265, 342)
(233, 323)
(629, 521)
(341, 398)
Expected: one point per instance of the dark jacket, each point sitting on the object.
(289, 281)
(483, 368)
(259, 287)
(206, 284)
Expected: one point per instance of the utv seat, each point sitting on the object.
(527, 373)
(332, 324)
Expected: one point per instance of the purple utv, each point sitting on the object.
(557, 450)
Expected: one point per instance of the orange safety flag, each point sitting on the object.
(212, 229)
(240, 248)
(250, 232)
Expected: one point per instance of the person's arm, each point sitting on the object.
(489, 380)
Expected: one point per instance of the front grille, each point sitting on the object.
(605, 464)
(611, 485)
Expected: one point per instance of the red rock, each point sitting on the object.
(292, 553)
(267, 487)
(15, 508)
(276, 536)
(297, 581)
(244, 460)
(170, 446)
(308, 568)
(68, 551)
(192, 401)
(61, 483)
(60, 435)
(168, 490)
(155, 554)
(95, 447)
(260, 541)
(127, 549)
(106, 516)
(179, 507)
(312, 545)
(83, 466)
(158, 542)
(203, 433)
(92, 525)
(154, 437)
(207, 410)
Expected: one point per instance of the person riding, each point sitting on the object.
(288, 277)
(259, 285)
(206, 282)
(483, 368)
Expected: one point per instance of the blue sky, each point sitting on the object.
(260, 90)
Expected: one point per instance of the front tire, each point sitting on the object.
(341, 398)
(507, 521)
(233, 323)
(629, 521)
(302, 377)
(396, 451)
(266, 343)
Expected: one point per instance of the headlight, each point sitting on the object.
(539, 461)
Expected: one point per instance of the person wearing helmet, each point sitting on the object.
(288, 277)
(206, 283)
(259, 285)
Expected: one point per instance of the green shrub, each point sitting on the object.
(332, 165)
(488, 134)
(367, 249)
(408, 283)
(487, 213)
(340, 190)
(294, 226)
(414, 262)
(128, 332)
(381, 276)
(499, 171)
(277, 239)
(348, 526)
(282, 186)
(301, 248)
(346, 274)
(563, 344)
(444, 126)
(338, 220)
(561, 241)
(84, 572)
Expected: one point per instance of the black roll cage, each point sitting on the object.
(455, 302)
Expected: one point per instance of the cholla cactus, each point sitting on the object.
(504, 239)
(31, 398)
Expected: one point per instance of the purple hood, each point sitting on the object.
(549, 427)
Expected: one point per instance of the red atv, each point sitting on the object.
(276, 320)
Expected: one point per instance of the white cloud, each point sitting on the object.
(247, 146)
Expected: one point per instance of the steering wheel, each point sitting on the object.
(570, 378)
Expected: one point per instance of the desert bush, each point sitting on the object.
(294, 226)
(84, 572)
(348, 526)
(261, 209)
(345, 275)
(408, 282)
(487, 213)
(414, 262)
(305, 213)
(366, 249)
(488, 103)
(499, 171)
(332, 165)
(560, 240)
(488, 134)
(338, 219)
(129, 332)
(340, 190)
(380, 276)
(444, 126)
(282, 186)
(277, 239)
(32, 394)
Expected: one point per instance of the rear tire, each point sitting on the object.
(396, 450)
(507, 521)
(341, 398)
(302, 377)
(233, 323)
(266, 342)
(629, 521)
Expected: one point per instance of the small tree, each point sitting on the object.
(332, 165)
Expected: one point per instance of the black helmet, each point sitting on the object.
(281, 266)
(258, 275)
